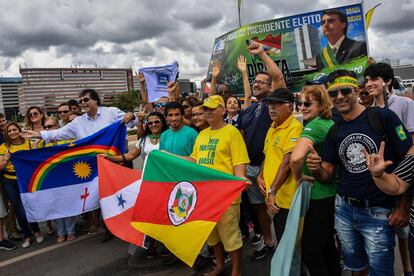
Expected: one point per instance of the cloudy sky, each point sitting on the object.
(55, 33)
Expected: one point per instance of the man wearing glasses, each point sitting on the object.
(63, 113)
(255, 121)
(95, 118)
(361, 210)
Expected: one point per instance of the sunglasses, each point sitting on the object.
(305, 103)
(49, 126)
(63, 111)
(85, 100)
(344, 91)
(33, 114)
(157, 122)
(161, 104)
(364, 94)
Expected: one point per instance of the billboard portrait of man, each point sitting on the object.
(340, 48)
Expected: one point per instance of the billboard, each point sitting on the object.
(303, 46)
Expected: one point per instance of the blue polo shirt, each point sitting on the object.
(355, 179)
(254, 122)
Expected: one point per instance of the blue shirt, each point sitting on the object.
(180, 142)
(355, 180)
(254, 122)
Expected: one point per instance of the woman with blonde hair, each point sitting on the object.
(34, 118)
(319, 252)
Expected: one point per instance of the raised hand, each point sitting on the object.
(375, 162)
(141, 77)
(255, 48)
(313, 160)
(216, 69)
(241, 64)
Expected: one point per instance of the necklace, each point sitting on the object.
(154, 137)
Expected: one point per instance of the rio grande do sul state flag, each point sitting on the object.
(180, 202)
(118, 190)
(62, 181)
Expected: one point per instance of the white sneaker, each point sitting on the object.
(26, 243)
(39, 239)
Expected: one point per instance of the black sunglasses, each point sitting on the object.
(344, 91)
(154, 123)
(63, 111)
(49, 126)
(33, 114)
(305, 103)
(85, 100)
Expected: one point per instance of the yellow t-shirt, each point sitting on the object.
(9, 171)
(220, 149)
(280, 141)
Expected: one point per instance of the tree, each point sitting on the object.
(127, 101)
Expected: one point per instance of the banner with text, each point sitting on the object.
(306, 46)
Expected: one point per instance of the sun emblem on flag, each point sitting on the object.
(82, 169)
(181, 202)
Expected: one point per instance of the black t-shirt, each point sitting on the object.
(355, 180)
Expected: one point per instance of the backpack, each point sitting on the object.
(374, 121)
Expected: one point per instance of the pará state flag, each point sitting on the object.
(62, 181)
(180, 202)
(118, 190)
(287, 258)
(156, 79)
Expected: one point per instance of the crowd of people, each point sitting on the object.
(352, 143)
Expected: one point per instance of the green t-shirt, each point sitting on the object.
(316, 130)
(179, 142)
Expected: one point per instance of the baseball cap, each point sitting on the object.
(281, 95)
(213, 101)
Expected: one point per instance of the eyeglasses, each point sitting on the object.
(85, 100)
(157, 122)
(158, 105)
(63, 111)
(305, 103)
(260, 82)
(33, 114)
(344, 91)
(196, 114)
(49, 126)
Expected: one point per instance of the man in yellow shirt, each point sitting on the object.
(221, 147)
(275, 178)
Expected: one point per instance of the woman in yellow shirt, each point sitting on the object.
(14, 142)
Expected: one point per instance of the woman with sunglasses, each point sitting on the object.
(34, 119)
(65, 226)
(155, 125)
(14, 142)
(319, 252)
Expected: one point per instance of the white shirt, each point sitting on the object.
(83, 126)
(148, 146)
(337, 44)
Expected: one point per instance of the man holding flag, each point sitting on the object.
(95, 118)
(221, 147)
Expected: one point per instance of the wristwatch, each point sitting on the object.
(270, 192)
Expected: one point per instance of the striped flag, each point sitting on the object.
(118, 191)
(180, 202)
(287, 258)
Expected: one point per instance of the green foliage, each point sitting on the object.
(126, 101)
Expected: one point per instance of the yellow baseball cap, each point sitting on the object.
(213, 101)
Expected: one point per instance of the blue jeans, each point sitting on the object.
(11, 188)
(366, 238)
(65, 226)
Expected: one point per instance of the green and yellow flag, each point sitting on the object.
(368, 15)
